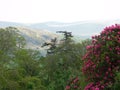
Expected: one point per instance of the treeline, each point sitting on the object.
(26, 69)
(92, 64)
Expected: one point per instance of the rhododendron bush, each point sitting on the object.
(102, 60)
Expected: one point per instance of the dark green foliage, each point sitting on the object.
(10, 39)
(19, 67)
(64, 63)
(26, 69)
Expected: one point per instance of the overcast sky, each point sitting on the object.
(33, 11)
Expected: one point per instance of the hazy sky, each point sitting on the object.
(31, 11)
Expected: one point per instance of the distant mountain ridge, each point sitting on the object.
(38, 33)
(7, 24)
(84, 29)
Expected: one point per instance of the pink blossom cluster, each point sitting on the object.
(102, 59)
(73, 84)
(92, 86)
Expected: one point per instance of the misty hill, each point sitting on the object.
(38, 33)
(7, 24)
(35, 38)
(83, 29)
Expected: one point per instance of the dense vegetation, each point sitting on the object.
(67, 65)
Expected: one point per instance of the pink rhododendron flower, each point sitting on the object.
(102, 59)
(67, 87)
